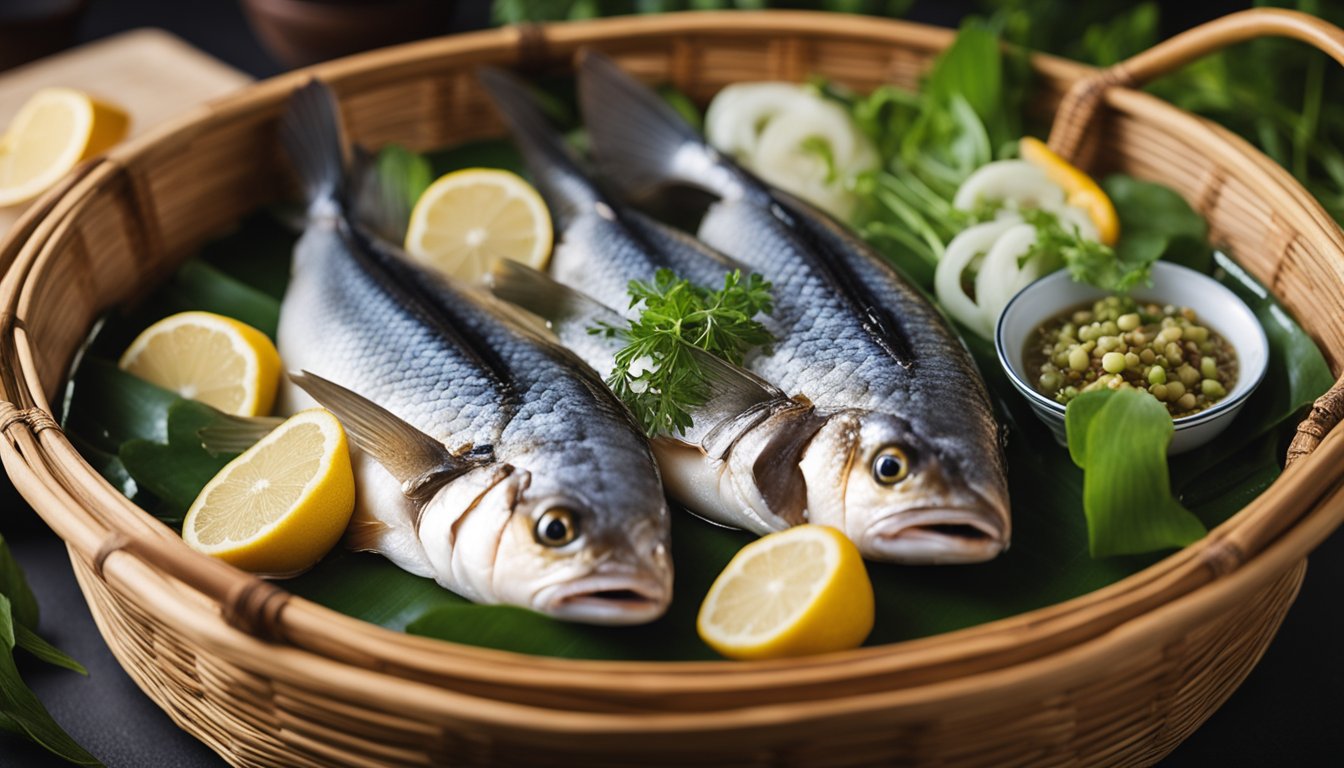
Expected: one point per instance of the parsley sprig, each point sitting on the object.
(656, 374)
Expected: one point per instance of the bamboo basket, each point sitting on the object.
(1118, 676)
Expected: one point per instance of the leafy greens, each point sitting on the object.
(655, 373)
(20, 710)
(1119, 438)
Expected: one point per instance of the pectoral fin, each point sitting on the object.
(419, 462)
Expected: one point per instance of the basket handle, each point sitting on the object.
(1082, 102)
(1083, 99)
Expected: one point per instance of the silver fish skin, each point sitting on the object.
(853, 333)
(487, 458)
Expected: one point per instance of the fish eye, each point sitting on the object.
(890, 466)
(556, 527)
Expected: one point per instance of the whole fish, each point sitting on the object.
(487, 458)
(852, 333)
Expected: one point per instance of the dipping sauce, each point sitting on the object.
(1117, 342)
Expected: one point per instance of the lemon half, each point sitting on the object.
(797, 592)
(207, 357)
(467, 219)
(282, 504)
(52, 132)
(1080, 189)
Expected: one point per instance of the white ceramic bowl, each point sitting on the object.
(1217, 308)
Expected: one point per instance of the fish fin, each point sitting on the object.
(733, 393)
(419, 462)
(235, 434)
(553, 166)
(310, 131)
(543, 296)
(776, 469)
(638, 140)
(363, 533)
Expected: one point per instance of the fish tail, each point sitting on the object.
(310, 132)
(551, 163)
(641, 145)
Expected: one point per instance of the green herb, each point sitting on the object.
(967, 115)
(20, 710)
(1119, 439)
(1088, 261)
(655, 374)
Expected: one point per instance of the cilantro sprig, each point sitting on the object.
(1087, 260)
(656, 374)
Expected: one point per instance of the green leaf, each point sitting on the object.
(200, 286)
(20, 710)
(407, 172)
(14, 586)
(489, 153)
(970, 69)
(33, 643)
(177, 469)
(257, 254)
(1076, 419)
(108, 465)
(109, 406)
(1122, 438)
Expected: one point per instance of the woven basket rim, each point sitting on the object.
(1216, 558)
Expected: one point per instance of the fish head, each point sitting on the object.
(898, 496)
(515, 537)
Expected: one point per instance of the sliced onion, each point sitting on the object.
(1016, 182)
(1071, 217)
(1000, 276)
(959, 254)
(783, 159)
(739, 113)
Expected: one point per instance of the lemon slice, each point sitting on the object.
(1082, 191)
(207, 357)
(54, 130)
(467, 219)
(282, 504)
(800, 591)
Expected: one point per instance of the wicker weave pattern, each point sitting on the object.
(1119, 676)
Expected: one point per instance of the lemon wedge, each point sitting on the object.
(282, 504)
(467, 219)
(207, 357)
(797, 592)
(54, 130)
(1082, 190)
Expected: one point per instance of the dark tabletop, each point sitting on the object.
(1288, 712)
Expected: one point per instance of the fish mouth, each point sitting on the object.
(609, 599)
(934, 536)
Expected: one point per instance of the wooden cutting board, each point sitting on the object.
(150, 73)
